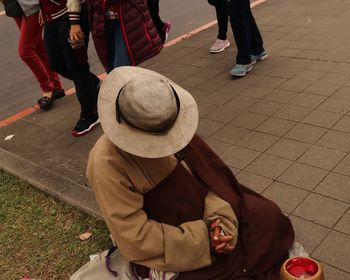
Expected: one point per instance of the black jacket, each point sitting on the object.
(12, 8)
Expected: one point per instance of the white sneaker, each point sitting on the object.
(219, 46)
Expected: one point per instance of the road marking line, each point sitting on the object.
(71, 91)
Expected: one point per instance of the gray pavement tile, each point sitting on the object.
(307, 100)
(303, 176)
(322, 157)
(335, 250)
(215, 83)
(320, 65)
(208, 127)
(331, 272)
(230, 134)
(321, 209)
(336, 140)
(248, 120)
(344, 166)
(342, 93)
(224, 114)
(344, 224)
(335, 186)
(255, 182)
(44, 119)
(257, 141)
(234, 88)
(265, 107)
(310, 75)
(269, 166)
(199, 94)
(276, 126)
(298, 63)
(306, 133)
(310, 54)
(271, 82)
(283, 72)
(343, 124)
(322, 118)
(289, 149)
(256, 92)
(219, 147)
(322, 88)
(285, 196)
(336, 105)
(205, 108)
(336, 78)
(242, 102)
(281, 96)
(342, 68)
(307, 233)
(64, 125)
(239, 157)
(193, 81)
(292, 112)
(218, 98)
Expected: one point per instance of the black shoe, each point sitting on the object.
(58, 93)
(45, 102)
(85, 124)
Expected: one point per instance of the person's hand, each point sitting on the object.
(219, 241)
(41, 18)
(76, 35)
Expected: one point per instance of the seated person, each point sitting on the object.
(174, 209)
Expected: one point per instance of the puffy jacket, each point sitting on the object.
(53, 9)
(140, 35)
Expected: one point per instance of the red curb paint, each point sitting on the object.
(71, 91)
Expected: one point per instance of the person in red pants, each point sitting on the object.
(31, 48)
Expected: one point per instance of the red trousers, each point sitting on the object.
(32, 51)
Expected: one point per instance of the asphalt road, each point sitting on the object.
(20, 90)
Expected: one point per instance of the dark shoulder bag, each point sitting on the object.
(12, 8)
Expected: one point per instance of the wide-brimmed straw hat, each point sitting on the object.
(145, 114)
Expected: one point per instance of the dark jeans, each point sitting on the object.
(247, 35)
(222, 12)
(117, 52)
(63, 61)
(153, 7)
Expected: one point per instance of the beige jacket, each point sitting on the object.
(119, 181)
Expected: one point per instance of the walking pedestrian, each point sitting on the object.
(163, 28)
(72, 64)
(31, 48)
(247, 37)
(123, 32)
(222, 15)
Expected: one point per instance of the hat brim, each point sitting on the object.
(136, 141)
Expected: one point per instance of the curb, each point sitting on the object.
(50, 182)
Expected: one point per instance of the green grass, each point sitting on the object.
(39, 236)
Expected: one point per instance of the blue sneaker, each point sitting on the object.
(240, 70)
(259, 57)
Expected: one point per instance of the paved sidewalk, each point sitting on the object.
(284, 129)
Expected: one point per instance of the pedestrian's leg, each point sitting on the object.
(30, 38)
(86, 83)
(221, 8)
(241, 26)
(257, 41)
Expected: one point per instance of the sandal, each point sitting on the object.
(45, 102)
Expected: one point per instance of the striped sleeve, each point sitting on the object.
(74, 8)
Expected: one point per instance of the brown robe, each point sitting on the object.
(265, 234)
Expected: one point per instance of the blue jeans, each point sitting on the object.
(117, 52)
